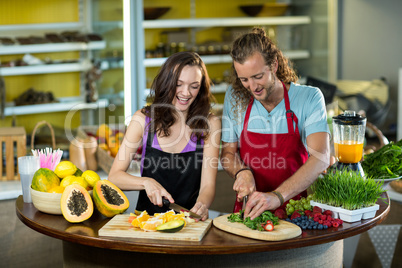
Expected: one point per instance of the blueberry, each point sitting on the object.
(314, 227)
(309, 227)
(320, 227)
(325, 227)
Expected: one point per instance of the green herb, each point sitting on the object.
(384, 163)
(347, 189)
(257, 223)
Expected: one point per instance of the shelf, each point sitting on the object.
(211, 22)
(65, 104)
(225, 22)
(46, 68)
(41, 26)
(51, 47)
(215, 59)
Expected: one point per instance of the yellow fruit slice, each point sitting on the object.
(142, 217)
(151, 224)
(64, 169)
(91, 177)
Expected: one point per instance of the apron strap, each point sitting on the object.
(250, 104)
(290, 115)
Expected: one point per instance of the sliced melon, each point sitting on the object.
(109, 199)
(76, 203)
(171, 226)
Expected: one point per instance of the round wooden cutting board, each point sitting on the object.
(284, 230)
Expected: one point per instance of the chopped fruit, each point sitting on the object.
(269, 227)
(142, 217)
(151, 225)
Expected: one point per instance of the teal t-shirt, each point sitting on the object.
(305, 101)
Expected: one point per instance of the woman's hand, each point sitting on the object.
(200, 209)
(155, 191)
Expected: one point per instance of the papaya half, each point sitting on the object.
(44, 179)
(76, 203)
(109, 199)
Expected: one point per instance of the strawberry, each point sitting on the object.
(269, 227)
(317, 209)
(315, 214)
(327, 212)
(295, 215)
(308, 212)
(280, 213)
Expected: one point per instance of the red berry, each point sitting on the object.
(329, 218)
(320, 221)
(269, 227)
(317, 209)
(335, 224)
(323, 217)
(295, 215)
(327, 212)
(307, 212)
(280, 213)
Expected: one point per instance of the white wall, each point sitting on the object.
(370, 44)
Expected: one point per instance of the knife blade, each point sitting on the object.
(244, 206)
(179, 208)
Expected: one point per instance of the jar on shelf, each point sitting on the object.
(182, 47)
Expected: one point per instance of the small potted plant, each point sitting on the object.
(347, 194)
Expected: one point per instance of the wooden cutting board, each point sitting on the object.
(119, 226)
(284, 230)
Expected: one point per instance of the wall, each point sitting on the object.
(370, 41)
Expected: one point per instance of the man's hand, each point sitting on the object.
(258, 202)
(244, 184)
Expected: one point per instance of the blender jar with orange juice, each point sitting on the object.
(348, 132)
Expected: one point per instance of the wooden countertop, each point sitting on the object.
(215, 241)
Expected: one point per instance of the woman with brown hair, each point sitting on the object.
(180, 140)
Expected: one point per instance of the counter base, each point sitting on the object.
(324, 255)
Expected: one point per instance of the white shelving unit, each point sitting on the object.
(64, 104)
(46, 68)
(82, 65)
(51, 47)
(225, 22)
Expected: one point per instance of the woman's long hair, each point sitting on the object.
(163, 91)
(243, 48)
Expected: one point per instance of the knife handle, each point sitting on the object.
(165, 202)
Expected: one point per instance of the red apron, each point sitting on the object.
(273, 158)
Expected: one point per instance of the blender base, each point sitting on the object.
(352, 166)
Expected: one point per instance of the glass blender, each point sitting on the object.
(348, 132)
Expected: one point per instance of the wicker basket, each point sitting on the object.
(396, 185)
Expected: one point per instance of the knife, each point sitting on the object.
(244, 206)
(179, 209)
